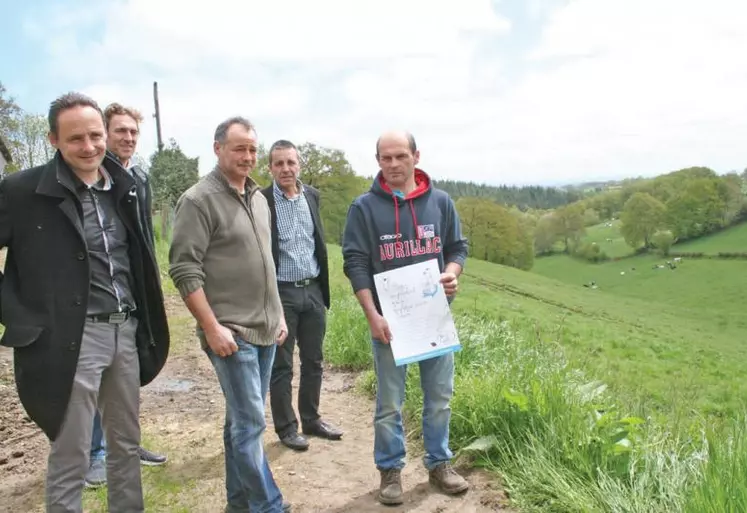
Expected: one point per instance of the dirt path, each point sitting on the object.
(183, 417)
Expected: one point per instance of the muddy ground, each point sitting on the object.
(182, 415)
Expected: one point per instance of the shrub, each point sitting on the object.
(590, 252)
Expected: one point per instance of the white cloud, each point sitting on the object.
(611, 88)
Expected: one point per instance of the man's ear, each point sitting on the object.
(52, 139)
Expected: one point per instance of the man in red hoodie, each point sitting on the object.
(403, 220)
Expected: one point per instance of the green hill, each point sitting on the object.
(665, 339)
(590, 399)
(731, 240)
(607, 235)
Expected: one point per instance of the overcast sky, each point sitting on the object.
(501, 92)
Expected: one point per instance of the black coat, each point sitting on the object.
(44, 291)
(145, 198)
(320, 248)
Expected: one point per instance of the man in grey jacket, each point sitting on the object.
(221, 263)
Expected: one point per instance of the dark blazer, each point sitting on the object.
(144, 198)
(320, 248)
(44, 291)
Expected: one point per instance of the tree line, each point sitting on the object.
(522, 197)
(654, 213)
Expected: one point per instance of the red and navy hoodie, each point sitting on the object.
(386, 230)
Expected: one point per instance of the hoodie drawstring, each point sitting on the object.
(396, 215)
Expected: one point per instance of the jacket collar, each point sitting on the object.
(57, 177)
(217, 175)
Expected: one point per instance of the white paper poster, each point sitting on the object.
(414, 304)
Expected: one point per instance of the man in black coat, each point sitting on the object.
(81, 304)
(122, 134)
(300, 256)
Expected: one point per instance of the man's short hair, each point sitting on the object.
(222, 130)
(69, 101)
(281, 144)
(116, 109)
(410, 141)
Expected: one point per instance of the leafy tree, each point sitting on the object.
(10, 113)
(698, 209)
(545, 234)
(337, 193)
(735, 200)
(641, 217)
(591, 217)
(495, 233)
(569, 224)
(172, 173)
(31, 145)
(663, 241)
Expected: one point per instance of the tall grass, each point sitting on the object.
(723, 486)
(559, 440)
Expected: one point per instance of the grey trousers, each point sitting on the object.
(107, 377)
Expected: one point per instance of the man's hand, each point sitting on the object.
(282, 332)
(450, 283)
(221, 341)
(380, 329)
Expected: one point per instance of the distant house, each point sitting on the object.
(5, 157)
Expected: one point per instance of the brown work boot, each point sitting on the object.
(446, 478)
(390, 490)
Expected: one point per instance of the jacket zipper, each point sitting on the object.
(248, 209)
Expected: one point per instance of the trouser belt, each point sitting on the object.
(299, 283)
(111, 318)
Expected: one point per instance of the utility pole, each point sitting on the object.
(165, 212)
(157, 115)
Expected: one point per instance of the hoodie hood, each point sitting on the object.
(422, 187)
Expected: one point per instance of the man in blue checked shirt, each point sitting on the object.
(300, 256)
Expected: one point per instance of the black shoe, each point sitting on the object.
(149, 458)
(323, 430)
(295, 441)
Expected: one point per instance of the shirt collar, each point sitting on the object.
(279, 193)
(103, 184)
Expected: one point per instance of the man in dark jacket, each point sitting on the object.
(81, 303)
(300, 256)
(404, 220)
(122, 133)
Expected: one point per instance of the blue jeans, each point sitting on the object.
(245, 380)
(98, 441)
(437, 383)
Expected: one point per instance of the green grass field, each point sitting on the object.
(730, 240)
(608, 238)
(678, 335)
(592, 400)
